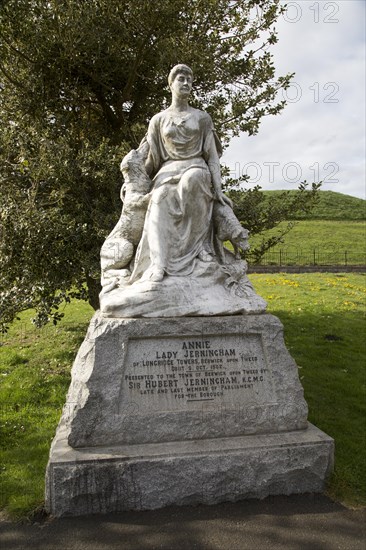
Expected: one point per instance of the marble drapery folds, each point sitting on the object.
(179, 268)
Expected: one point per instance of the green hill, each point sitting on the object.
(332, 206)
(331, 241)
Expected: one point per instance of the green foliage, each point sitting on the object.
(79, 81)
(330, 206)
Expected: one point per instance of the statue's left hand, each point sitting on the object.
(223, 199)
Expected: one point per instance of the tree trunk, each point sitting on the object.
(94, 288)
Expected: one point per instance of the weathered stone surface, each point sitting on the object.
(142, 380)
(166, 255)
(183, 411)
(211, 289)
(142, 477)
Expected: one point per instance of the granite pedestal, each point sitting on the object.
(183, 411)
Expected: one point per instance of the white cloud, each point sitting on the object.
(321, 132)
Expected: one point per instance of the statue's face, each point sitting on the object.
(182, 85)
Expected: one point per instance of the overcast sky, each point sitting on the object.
(320, 135)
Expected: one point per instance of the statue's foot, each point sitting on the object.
(205, 256)
(154, 274)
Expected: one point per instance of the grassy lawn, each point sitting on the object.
(34, 376)
(334, 237)
(324, 323)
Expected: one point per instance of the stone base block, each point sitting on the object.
(148, 476)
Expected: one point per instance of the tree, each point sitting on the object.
(79, 81)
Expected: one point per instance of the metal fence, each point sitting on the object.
(317, 257)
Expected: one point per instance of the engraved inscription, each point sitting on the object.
(180, 373)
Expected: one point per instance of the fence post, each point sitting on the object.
(280, 256)
(314, 256)
(345, 257)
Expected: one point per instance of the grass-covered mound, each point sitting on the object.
(333, 233)
(331, 206)
(335, 242)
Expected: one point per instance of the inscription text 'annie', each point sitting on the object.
(196, 349)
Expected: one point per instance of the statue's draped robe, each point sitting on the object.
(178, 221)
(178, 232)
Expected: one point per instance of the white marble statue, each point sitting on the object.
(165, 257)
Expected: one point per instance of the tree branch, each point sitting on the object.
(10, 78)
(21, 54)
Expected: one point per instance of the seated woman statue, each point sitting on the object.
(180, 266)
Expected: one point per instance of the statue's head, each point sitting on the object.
(179, 69)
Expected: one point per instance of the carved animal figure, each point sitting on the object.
(119, 247)
(228, 228)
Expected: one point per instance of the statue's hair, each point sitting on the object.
(179, 69)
